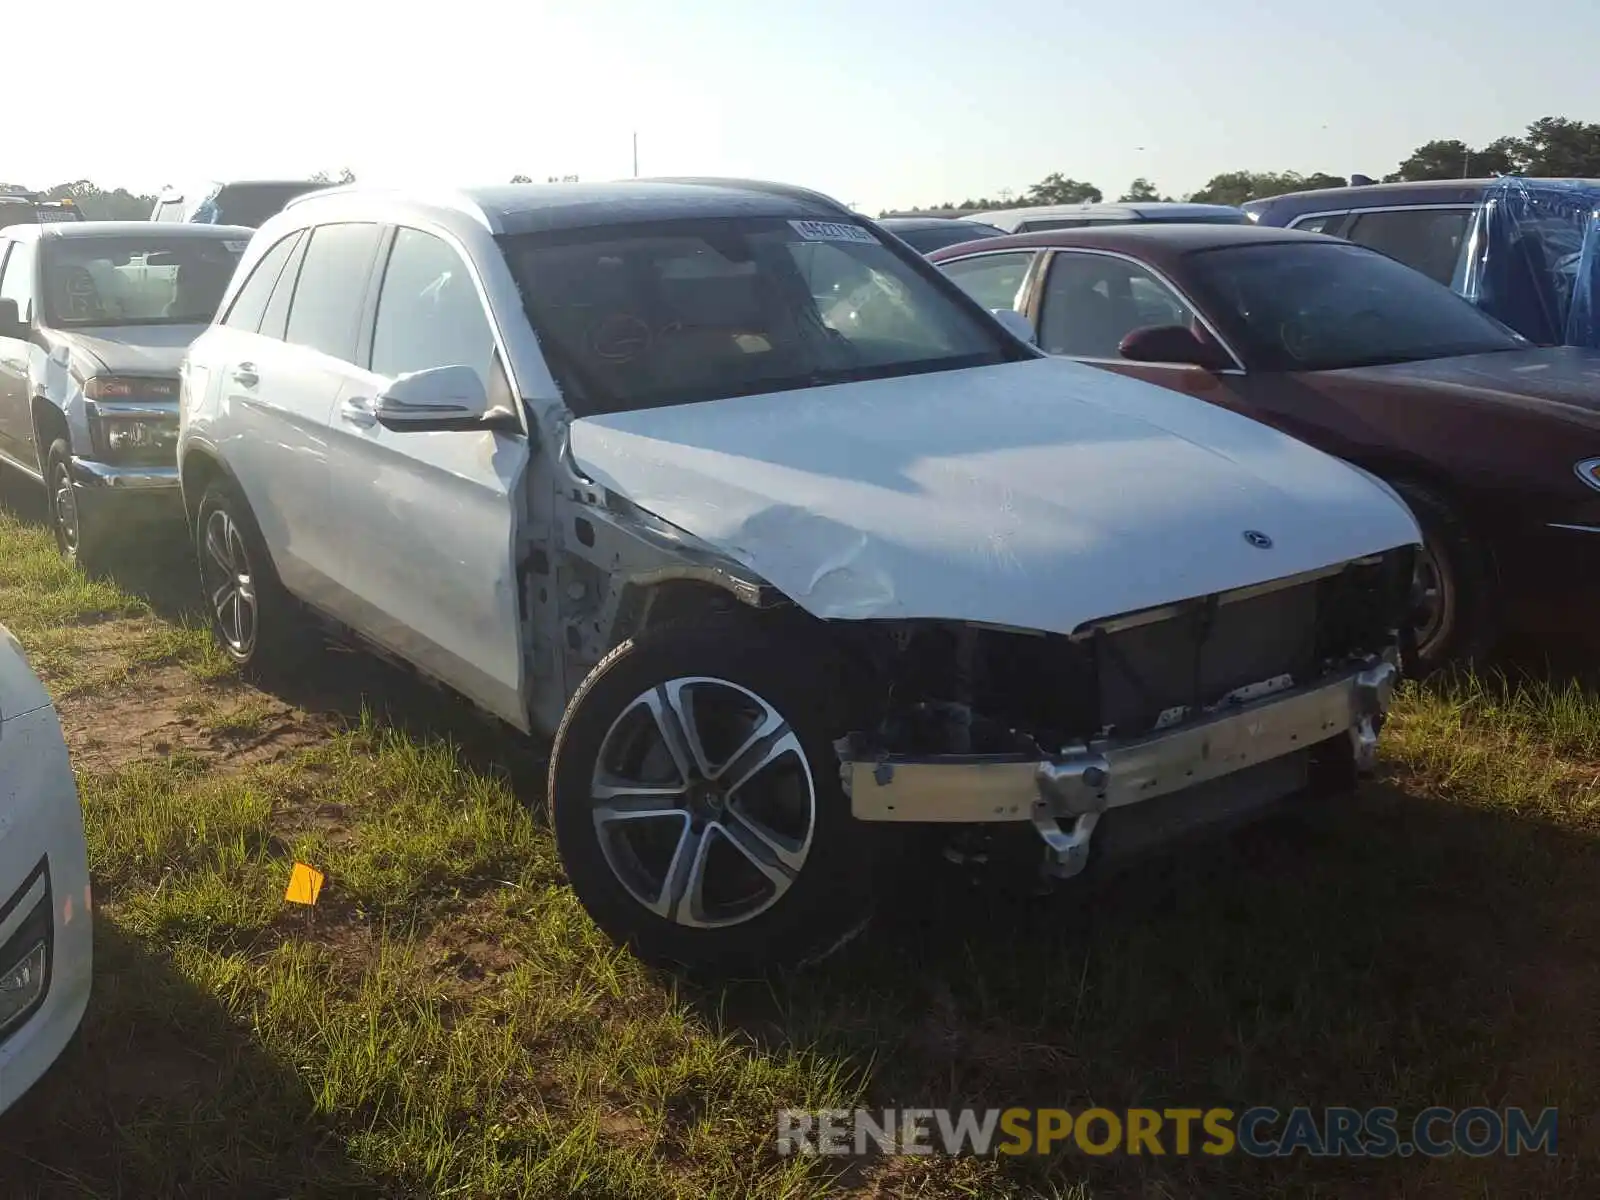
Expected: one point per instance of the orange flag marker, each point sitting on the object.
(305, 885)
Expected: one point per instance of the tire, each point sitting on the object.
(816, 889)
(1458, 625)
(83, 543)
(254, 620)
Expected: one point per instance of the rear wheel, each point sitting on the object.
(697, 804)
(254, 620)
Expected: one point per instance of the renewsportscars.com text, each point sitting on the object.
(1256, 1132)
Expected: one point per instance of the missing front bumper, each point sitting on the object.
(1064, 795)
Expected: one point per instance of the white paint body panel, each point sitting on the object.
(426, 524)
(40, 818)
(1041, 494)
(410, 538)
(274, 432)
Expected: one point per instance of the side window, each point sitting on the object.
(169, 210)
(331, 288)
(1325, 223)
(17, 282)
(1093, 301)
(251, 301)
(429, 314)
(275, 321)
(993, 280)
(1427, 239)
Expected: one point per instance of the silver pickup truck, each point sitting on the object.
(95, 317)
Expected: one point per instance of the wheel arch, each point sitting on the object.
(200, 467)
(1396, 468)
(657, 598)
(49, 423)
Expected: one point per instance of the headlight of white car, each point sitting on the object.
(25, 953)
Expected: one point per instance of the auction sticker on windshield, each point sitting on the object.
(832, 231)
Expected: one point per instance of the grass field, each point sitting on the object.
(446, 1021)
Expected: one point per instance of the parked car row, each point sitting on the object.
(783, 538)
(1490, 439)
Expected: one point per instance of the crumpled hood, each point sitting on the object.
(136, 349)
(1039, 494)
(1542, 378)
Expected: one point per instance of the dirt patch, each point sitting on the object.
(352, 942)
(467, 946)
(162, 711)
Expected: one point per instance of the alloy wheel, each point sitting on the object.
(703, 802)
(229, 584)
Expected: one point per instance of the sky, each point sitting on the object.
(880, 103)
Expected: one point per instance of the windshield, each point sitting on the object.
(682, 311)
(143, 279)
(927, 239)
(1315, 306)
(250, 204)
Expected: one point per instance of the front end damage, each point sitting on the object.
(1133, 730)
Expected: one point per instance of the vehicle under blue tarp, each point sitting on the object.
(1531, 259)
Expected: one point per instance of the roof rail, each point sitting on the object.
(322, 191)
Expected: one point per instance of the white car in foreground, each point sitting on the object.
(785, 540)
(45, 924)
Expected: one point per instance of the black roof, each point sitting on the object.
(541, 208)
(1371, 195)
(899, 223)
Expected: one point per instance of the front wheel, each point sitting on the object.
(81, 541)
(697, 802)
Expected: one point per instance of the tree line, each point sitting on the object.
(1551, 147)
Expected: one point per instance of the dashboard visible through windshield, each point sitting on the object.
(136, 279)
(683, 311)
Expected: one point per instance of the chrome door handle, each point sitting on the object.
(245, 374)
(357, 410)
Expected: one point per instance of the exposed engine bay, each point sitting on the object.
(1160, 721)
(965, 689)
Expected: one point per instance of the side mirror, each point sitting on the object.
(1171, 344)
(440, 399)
(11, 322)
(1018, 324)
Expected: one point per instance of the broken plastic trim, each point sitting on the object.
(1088, 778)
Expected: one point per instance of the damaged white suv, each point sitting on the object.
(785, 540)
